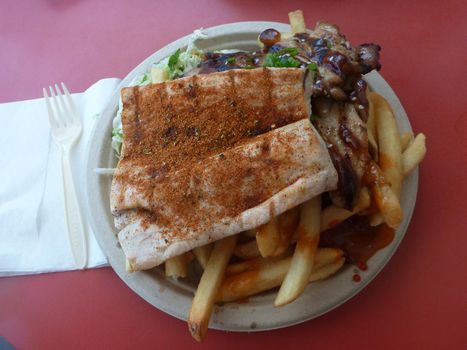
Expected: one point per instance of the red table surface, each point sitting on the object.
(418, 301)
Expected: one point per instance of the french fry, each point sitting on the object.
(333, 215)
(268, 237)
(176, 267)
(327, 270)
(297, 21)
(248, 250)
(385, 198)
(406, 140)
(390, 155)
(330, 216)
(288, 222)
(249, 283)
(301, 265)
(251, 264)
(414, 154)
(202, 254)
(208, 287)
(253, 282)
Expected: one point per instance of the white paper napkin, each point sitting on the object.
(33, 234)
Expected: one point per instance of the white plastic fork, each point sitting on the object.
(65, 124)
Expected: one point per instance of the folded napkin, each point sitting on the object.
(33, 233)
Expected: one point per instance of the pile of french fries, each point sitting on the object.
(284, 253)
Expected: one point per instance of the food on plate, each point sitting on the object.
(202, 254)
(406, 139)
(268, 237)
(268, 169)
(176, 266)
(301, 266)
(413, 154)
(208, 287)
(247, 250)
(390, 154)
(270, 275)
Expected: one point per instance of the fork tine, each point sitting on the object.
(66, 113)
(58, 111)
(50, 113)
(74, 112)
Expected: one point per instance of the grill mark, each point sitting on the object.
(262, 126)
(193, 92)
(268, 82)
(137, 123)
(165, 104)
(232, 93)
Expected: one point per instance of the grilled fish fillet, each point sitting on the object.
(205, 157)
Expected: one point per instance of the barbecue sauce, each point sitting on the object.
(357, 239)
(269, 37)
(220, 62)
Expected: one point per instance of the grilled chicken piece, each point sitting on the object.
(338, 97)
(339, 65)
(208, 156)
(347, 139)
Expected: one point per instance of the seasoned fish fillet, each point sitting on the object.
(205, 157)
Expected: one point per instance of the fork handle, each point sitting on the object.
(73, 216)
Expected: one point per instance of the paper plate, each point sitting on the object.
(175, 297)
